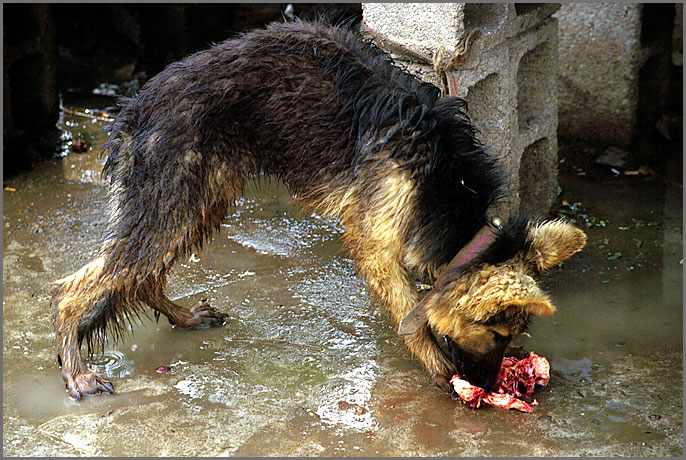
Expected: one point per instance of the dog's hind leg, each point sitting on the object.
(164, 207)
(199, 316)
(72, 298)
(158, 213)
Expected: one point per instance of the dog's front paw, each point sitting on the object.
(443, 383)
(86, 383)
(442, 372)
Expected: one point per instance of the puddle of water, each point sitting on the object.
(304, 359)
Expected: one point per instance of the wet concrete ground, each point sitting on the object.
(302, 336)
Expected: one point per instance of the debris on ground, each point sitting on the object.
(344, 405)
(79, 145)
(614, 157)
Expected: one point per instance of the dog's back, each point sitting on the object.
(287, 93)
(312, 105)
(348, 132)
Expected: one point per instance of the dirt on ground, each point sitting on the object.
(306, 365)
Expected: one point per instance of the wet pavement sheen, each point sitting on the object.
(306, 365)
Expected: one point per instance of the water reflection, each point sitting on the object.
(113, 364)
(306, 362)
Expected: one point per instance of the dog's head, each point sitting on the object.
(483, 301)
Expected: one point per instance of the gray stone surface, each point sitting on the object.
(599, 54)
(509, 80)
(420, 26)
(614, 68)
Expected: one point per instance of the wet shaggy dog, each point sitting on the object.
(351, 135)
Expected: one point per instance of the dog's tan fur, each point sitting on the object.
(352, 136)
(508, 289)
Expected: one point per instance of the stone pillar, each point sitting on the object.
(509, 80)
(614, 68)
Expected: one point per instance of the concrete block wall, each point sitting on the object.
(509, 81)
(614, 68)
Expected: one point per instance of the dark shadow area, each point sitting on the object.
(30, 101)
(68, 50)
(655, 90)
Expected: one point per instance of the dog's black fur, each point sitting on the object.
(329, 114)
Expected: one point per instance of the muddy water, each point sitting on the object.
(303, 347)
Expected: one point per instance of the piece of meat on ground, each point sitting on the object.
(517, 378)
(506, 401)
(470, 394)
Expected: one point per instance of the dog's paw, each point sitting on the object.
(443, 382)
(442, 373)
(205, 316)
(86, 383)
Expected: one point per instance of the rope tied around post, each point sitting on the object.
(441, 65)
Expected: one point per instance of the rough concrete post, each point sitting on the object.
(509, 80)
(598, 82)
(614, 62)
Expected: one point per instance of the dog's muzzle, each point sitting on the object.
(478, 369)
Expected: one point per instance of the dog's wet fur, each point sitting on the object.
(351, 135)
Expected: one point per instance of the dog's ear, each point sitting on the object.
(414, 320)
(418, 317)
(553, 242)
(537, 307)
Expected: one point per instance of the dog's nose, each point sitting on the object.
(481, 377)
(488, 383)
(478, 369)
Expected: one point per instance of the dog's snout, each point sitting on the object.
(482, 373)
(487, 382)
(480, 369)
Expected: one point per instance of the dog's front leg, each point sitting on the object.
(390, 285)
(423, 346)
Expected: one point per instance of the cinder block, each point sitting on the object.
(422, 27)
(509, 81)
(614, 67)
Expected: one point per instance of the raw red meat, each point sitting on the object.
(517, 378)
(506, 401)
(470, 394)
